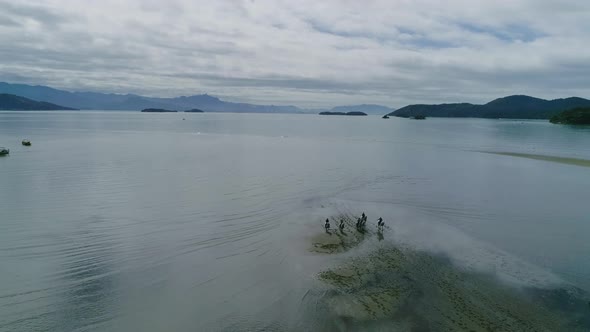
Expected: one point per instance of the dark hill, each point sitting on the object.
(524, 107)
(511, 107)
(443, 110)
(157, 110)
(576, 116)
(18, 103)
(344, 113)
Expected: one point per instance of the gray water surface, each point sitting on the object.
(159, 222)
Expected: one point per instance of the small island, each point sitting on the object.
(157, 110)
(419, 117)
(385, 116)
(344, 113)
(576, 116)
(195, 110)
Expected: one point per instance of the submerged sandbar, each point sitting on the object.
(555, 159)
(337, 240)
(396, 287)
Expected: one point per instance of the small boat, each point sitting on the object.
(26, 142)
(4, 151)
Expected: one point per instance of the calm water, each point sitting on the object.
(148, 222)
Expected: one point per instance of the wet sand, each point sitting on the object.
(395, 287)
(561, 160)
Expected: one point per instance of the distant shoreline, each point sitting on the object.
(509, 107)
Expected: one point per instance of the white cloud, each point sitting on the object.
(308, 53)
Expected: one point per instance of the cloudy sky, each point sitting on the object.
(307, 53)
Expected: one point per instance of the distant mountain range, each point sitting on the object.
(9, 102)
(207, 103)
(365, 108)
(511, 107)
(103, 101)
(515, 107)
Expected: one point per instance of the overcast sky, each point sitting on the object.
(307, 53)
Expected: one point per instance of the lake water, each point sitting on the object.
(129, 221)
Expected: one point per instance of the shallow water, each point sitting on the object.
(562, 160)
(134, 221)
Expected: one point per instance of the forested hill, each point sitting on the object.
(576, 116)
(511, 107)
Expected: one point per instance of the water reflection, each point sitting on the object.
(89, 297)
